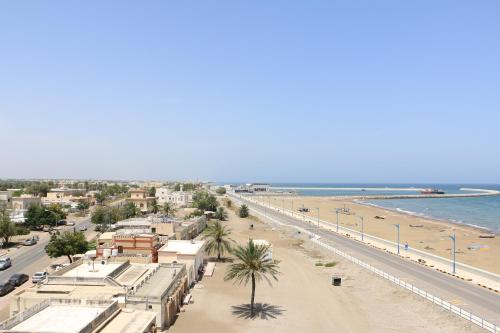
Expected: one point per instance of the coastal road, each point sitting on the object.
(468, 296)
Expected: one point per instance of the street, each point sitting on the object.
(470, 297)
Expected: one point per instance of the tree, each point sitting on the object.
(68, 244)
(169, 209)
(83, 206)
(103, 217)
(9, 229)
(37, 216)
(205, 201)
(100, 197)
(58, 211)
(243, 212)
(218, 240)
(152, 191)
(129, 210)
(254, 265)
(221, 214)
(221, 191)
(154, 207)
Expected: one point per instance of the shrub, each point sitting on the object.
(319, 264)
(243, 211)
(330, 264)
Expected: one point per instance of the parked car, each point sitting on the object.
(18, 279)
(38, 277)
(30, 241)
(62, 222)
(5, 263)
(46, 229)
(5, 288)
(71, 223)
(84, 228)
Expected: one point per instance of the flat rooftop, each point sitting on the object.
(52, 319)
(85, 270)
(182, 246)
(158, 282)
(130, 321)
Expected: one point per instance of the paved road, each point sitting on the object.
(470, 297)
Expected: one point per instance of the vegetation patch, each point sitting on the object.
(330, 264)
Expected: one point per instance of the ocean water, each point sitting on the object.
(483, 212)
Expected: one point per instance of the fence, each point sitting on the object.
(436, 300)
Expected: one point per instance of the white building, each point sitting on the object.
(189, 252)
(178, 198)
(259, 187)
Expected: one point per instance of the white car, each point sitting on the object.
(71, 223)
(39, 277)
(84, 228)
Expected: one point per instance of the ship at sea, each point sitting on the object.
(432, 191)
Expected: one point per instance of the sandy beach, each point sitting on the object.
(421, 233)
(305, 300)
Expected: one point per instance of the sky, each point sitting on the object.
(276, 91)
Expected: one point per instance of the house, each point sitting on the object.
(86, 317)
(141, 200)
(129, 243)
(178, 198)
(189, 252)
(5, 197)
(23, 202)
(157, 225)
(154, 288)
(190, 229)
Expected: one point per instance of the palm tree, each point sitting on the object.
(154, 206)
(169, 209)
(218, 240)
(254, 265)
(221, 214)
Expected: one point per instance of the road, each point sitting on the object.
(470, 297)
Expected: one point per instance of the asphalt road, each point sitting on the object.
(468, 296)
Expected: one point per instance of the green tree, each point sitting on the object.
(218, 240)
(58, 211)
(205, 201)
(253, 265)
(129, 210)
(67, 244)
(83, 206)
(243, 212)
(103, 217)
(154, 207)
(37, 216)
(169, 209)
(100, 197)
(152, 191)
(8, 228)
(221, 191)
(221, 214)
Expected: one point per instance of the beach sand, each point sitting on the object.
(304, 300)
(431, 235)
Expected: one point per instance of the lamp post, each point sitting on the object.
(283, 205)
(303, 214)
(318, 215)
(362, 228)
(454, 239)
(397, 226)
(337, 213)
(292, 207)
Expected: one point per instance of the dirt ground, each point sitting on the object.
(304, 299)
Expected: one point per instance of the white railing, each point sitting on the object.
(422, 293)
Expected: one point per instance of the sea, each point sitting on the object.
(482, 212)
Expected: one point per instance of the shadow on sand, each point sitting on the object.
(262, 311)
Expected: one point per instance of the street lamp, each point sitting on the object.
(362, 228)
(283, 205)
(318, 215)
(397, 226)
(337, 210)
(454, 239)
(292, 207)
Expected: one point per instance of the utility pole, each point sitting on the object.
(362, 228)
(397, 226)
(283, 205)
(318, 216)
(337, 213)
(292, 207)
(454, 239)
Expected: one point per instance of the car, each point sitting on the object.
(46, 229)
(62, 222)
(30, 241)
(83, 228)
(5, 288)
(71, 223)
(5, 263)
(38, 277)
(18, 279)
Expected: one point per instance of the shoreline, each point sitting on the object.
(429, 218)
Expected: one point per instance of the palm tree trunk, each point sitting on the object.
(252, 300)
(218, 251)
(70, 259)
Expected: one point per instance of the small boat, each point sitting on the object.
(431, 191)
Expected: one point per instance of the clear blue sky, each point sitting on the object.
(334, 91)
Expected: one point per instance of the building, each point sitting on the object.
(129, 243)
(191, 228)
(65, 197)
(178, 198)
(154, 288)
(189, 252)
(141, 200)
(23, 202)
(259, 187)
(86, 316)
(157, 225)
(5, 197)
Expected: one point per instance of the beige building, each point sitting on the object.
(191, 228)
(154, 288)
(189, 252)
(141, 200)
(178, 198)
(23, 202)
(156, 225)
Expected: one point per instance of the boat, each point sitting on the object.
(431, 191)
